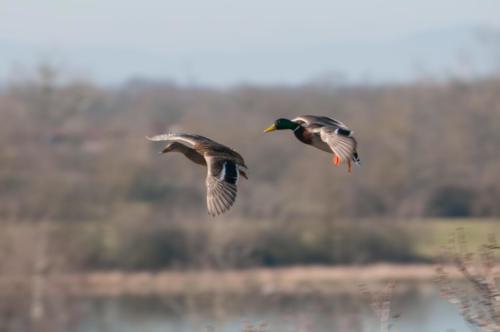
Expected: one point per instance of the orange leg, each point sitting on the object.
(336, 160)
(349, 166)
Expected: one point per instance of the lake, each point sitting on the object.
(416, 307)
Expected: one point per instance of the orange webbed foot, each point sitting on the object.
(349, 166)
(336, 160)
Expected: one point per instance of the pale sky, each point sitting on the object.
(225, 41)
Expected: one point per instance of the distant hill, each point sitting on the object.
(457, 50)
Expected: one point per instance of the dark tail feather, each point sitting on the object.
(355, 158)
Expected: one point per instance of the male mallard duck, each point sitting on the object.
(323, 133)
(224, 166)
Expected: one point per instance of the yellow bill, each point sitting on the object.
(271, 128)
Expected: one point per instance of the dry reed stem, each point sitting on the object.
(380, 302)
(482, 308)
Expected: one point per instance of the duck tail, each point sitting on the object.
(355, 158)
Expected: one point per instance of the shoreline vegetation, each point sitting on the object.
(297, 280)
(236, 244)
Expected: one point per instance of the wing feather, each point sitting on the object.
(192, 140)
(342, 146)
(319, 120)
(221, 182)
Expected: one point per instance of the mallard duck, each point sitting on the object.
(323, 133)
(224, 166)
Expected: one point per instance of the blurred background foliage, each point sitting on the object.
(74, 156)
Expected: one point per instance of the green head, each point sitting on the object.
(281, 124)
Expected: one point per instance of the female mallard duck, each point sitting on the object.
(323, 133)
(224, 166)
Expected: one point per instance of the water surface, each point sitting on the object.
(416, 308)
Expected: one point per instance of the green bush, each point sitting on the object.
(240, 244)
(324, 243)
(451, 201)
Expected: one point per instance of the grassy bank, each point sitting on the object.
(431, 235)
(263, 281)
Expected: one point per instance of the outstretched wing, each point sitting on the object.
(221, 181)
(190, 139)
(344, 146)
(201, 144)
(319, 120)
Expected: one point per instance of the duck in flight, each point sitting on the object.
(323, 133)
(224, 166)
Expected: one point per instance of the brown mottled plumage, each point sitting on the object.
(224, 166)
